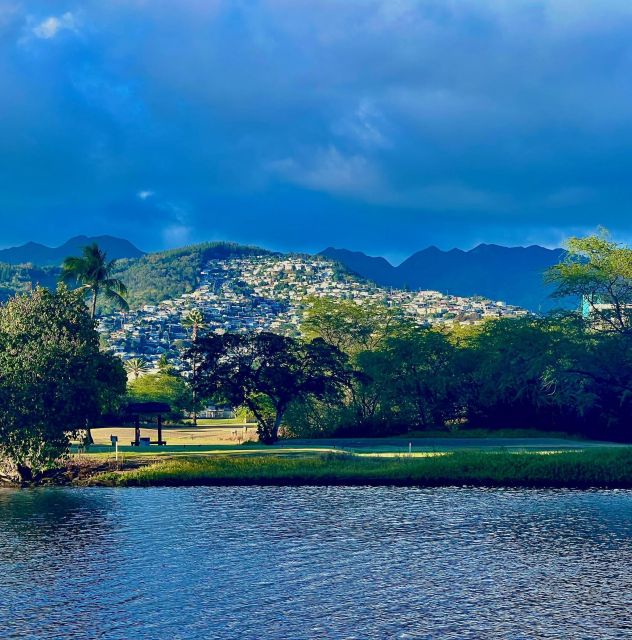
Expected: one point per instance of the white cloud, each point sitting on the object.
(356, 176)
(363, 126)
(176, 235)
(145, 194)
(51, 26)
(330, 171)
(178, 231)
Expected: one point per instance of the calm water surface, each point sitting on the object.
(315, 563)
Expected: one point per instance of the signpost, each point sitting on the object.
(114, 441)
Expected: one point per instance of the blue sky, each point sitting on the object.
(380, 125)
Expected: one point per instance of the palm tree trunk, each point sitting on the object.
(94, 303)
(194, 394)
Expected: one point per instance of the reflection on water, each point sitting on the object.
(254, 562)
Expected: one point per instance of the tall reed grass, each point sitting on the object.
(607, 467)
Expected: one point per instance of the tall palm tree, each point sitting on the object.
(93, 272)
(136, 367)
(194, 321)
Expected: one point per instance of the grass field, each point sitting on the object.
(596, 467)
(220, 436)
(223, 452)
(208, 432)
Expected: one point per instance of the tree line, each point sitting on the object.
(366, 370)
(361, 370)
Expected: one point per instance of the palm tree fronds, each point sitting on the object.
(93, 272)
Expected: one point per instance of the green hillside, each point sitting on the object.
(168, 274)
(149, 279)
(22, 277)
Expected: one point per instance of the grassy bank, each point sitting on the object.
(581, 469)
(467, 432)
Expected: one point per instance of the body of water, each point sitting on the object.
(274, 563)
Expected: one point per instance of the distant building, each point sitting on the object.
(605, 311)
(266, 293)
(213, 412)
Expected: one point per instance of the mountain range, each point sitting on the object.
(510, 274)
(43, 256)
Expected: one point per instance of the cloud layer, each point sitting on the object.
(377, 124)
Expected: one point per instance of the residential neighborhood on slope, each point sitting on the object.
(268, 293)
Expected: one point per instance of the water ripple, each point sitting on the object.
(345, 563)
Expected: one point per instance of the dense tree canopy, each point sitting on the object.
(54, 380)
(567, 371)
(599, 272)
(347, 325)
(421, 365)
(166, 387)
(266, 372)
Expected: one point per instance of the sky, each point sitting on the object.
(376, 125)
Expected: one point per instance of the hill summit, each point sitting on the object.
(43, 256)
(512, 274)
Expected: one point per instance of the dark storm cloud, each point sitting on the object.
(375, 124)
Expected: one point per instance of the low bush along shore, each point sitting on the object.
(594, 468)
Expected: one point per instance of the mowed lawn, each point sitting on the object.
(231, 437)
(221, 432)
(228, 453)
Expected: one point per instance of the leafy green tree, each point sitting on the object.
(515, 372)
(54, 380)
(137, 367)
(349, 326)
(266, 372)
(411, 379)
(598, 351)
(589, 374)
(599, 272)
(94, 274)
(163, 364)
(359, 330)
(602, 367)
(423, 377)
(164, 387)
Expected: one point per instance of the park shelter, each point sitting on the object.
(135, 411)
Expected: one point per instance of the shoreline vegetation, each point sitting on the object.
(359, 373)
(581, 469)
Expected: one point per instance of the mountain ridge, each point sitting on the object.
(511, 274)
(45, 256)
